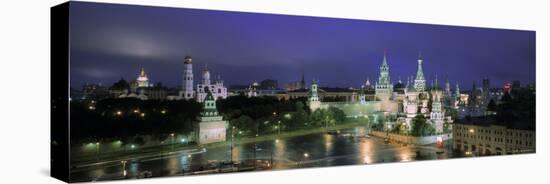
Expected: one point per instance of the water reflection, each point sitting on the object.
(350, 147)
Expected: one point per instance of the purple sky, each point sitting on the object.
(113, 41)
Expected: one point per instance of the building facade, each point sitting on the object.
(142, 80)
(187, 91)
(384, 87)
(217, 89)
(212, 127)
(485, 138)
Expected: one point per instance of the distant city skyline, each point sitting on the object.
(109, 42)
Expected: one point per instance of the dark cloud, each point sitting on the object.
(113, 41)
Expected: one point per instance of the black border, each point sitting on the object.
(59, 63)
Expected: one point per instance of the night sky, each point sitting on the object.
(109, 42)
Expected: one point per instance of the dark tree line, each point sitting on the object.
(129, 117)
(517, 108)
(110, 118)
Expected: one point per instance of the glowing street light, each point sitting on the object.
(163, 111)
(306, 155)
(172, 136)
(288, 116)
(472, 130)
(97, 150)
(124, 173)
(279, 127)
(119, 113)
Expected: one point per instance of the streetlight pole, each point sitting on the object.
(255, 158)
(279, 127)
(161, 158)
(97, 151)
(123, 168)
(271, 158)
(231, 151)
(306, 155)
(326, 123)
(172, 135)
(189, 163)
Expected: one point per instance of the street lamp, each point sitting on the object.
(472, 131)
(306, 155)
(279, 127)
(172, 136)
(326, 123)
(97, 151)
(123, 168)
(232, 136)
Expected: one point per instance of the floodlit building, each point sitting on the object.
(211, 126)
(314, 102)
(384, 87)
(296, 85)
(187, 91)
(217, 89)
(142, 79)
(404, 102)
(486, 137)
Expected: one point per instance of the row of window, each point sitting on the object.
(519, 142)
(501, 140)
(496, 132)
(520, 134)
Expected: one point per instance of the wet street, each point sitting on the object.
(349, 147)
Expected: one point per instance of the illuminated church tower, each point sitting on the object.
(142, 79)
(384, 88)
(437, 115)
(362, 95)
(187, 86)
(206, 76)
(420, 81)
(448, 88)
(314, 102)
(410, 103)
(217, 89)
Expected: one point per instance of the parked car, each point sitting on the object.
(146, 174)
